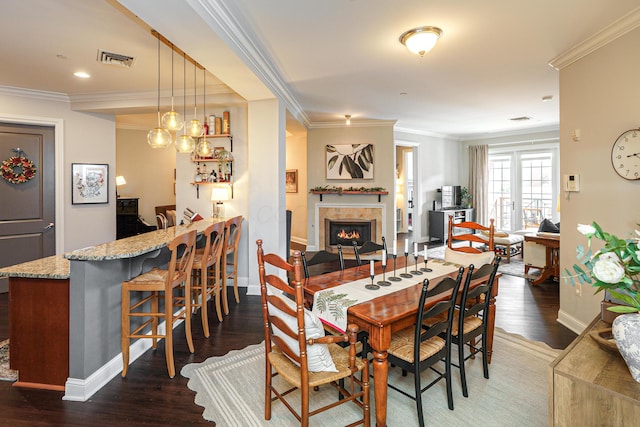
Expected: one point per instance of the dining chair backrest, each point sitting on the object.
(472, 303)
(368, 247)
(322, 257)
(467, 231)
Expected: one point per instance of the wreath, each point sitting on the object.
(18, 169)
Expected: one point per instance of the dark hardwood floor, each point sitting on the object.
(148, 397)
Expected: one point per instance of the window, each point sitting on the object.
(523, 185)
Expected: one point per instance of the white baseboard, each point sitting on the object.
(570, 322)
(80, 390)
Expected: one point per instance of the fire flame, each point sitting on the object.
(348, 235)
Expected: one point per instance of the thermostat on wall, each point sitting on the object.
(572, 182)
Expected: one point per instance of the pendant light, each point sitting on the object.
(159, 137)
(204, 148)
(185, 143)
(195, 126)
(172, 120)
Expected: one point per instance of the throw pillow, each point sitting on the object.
(466, 259)
(496, 233)
(548, 227)
(318, 355)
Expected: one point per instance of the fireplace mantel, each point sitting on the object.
(351, 193)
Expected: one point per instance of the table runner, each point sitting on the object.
(331, 304)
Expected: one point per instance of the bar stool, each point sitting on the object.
(233, 230)
(161, 284)
(206, 273)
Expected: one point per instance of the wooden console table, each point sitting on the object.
(552, 247)
(591, 386)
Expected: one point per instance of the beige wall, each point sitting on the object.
(296, 153)
(599, 95)
(148, 171)
(384, 169)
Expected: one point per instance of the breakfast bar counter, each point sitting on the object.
(65, 311)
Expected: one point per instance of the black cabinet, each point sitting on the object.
(439, 222)
(126, 218)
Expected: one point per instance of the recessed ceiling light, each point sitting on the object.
(81, 74)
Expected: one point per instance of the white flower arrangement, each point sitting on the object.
(615, 267)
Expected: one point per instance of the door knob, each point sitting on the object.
(48, 226)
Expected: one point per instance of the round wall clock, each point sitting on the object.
(625, 154)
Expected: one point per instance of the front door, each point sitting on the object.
(27, 209)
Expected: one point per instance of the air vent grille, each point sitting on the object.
(111, 58)
(520, 119)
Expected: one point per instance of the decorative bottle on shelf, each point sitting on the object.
(198, 176)
(205, 175)
(205, 126)
(218, 126)
(226, 124)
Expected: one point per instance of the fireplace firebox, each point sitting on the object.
(344, 232)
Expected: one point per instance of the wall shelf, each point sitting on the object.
(350, 193)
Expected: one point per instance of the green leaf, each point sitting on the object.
(623, 309)
(332, 162)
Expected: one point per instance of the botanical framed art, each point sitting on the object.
(352, 161)
(89, 183)
(291, 180)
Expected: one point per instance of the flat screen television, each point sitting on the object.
(451, 196)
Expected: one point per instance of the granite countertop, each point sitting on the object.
(57, 266)
(53, 267)
(136, 245)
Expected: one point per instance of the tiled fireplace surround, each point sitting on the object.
(347, 212)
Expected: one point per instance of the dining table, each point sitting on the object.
(383, 315)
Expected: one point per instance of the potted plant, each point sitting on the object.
(465, 197)
(616, 269)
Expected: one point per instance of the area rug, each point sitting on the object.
(231, 390)
(513, 268)
(6, 374)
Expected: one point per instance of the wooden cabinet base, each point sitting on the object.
(39, 332)
(591, 386)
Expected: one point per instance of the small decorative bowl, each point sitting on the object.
(604, 338)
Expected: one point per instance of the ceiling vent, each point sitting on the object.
(110, 58)
(520, 119)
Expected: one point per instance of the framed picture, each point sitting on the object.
(349, 161)
(291, 181)
(89, 183)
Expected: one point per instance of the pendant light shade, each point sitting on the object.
(184, 144)
(172, 120)
(159, 137)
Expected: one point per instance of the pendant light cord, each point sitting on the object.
(159, 124)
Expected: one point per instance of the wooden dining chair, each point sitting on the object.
(467, 231)
(323, 257)
(368, 247)
(297, 350)
(206, 274)
(422, 346)
(471, 316)
(232, 233)
(160, 284)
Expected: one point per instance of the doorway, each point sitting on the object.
(27, 214)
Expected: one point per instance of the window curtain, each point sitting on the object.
(479, 181)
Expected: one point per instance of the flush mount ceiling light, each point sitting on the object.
(159, 137)
(421, 40)
(348, 119)
(81, 74)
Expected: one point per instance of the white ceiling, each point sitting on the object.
(335, 57)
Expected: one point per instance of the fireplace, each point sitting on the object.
(344, 232)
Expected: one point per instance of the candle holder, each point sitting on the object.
(384, 282)
(425, 268)
(415, 271)
(405, 274)
(394, 278)
(372, 286)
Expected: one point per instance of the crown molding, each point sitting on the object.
(241, 42)
(356, 123)
(35, 94)
(425, 133)
(618, 28)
